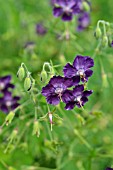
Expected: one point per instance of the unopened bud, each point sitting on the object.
(9, 118)
(86, 6)
(14, 134)
(105, 41)
(81, 119)
(36, 129)
(27, 83)
(50, 119)
(105, 81)
(21, 73)
(43, 76)
(98, 33)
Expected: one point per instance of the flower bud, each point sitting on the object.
(27, 84)
(36, 129)
(105, 41)
(9, 118)
(50, 119)
(86, 6)
(105, 81)
(43, 76)
(98, 33)
(21, 73)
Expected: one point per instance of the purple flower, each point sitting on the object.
(66, 8)
(80, 69)
(109, 168)
(5, 83)
(54, 90)
(83, 21)
(40, 29)
(76, 97)
(8, 102)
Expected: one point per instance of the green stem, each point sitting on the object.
(77, 133)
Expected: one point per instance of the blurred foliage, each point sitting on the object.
(83, 140)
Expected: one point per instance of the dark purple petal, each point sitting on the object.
(4, 108)
(78, 90)
(15, 99)
(10, 86)
(87, 93)
(68, 82)
(5, 79)
(67, 16)
(70, 106)
(67, 96)
(56, 81)
(7, 95)
(69, 70)
(88, 73)
(14, 106)
(47, 90)
(76, 80)
(84, 100)
(89, 62)
(109, 168)
(53, 99)
(79, 62)
(57, 11)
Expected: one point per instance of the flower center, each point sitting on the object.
(80, 72)
(67, 9)
(78, 99)
(59, 90)
(1, 86)
(8, 103)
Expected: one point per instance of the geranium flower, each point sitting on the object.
(40, 29)
(66, 8)
(81, 67)
(8, 102)
(76, 97)
(5, 83)
(54, 90)
(83, 21)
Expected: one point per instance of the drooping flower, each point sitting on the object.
(76, 97)
(83, 21)
(8, 102)
(66, 8)
(54, 90)
(81, 67)
(5, 83)
(40, 29)
(109, 168)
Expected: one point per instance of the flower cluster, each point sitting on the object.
(75, 76)
(7, 101)
(66, 9)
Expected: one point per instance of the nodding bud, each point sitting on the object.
(50, 119)
(105, 81)
(9, 118)
(21, 73)
(104, 41)
(86, 6)
(98, 33)
(14, 134)
(27, 83)
(36, 129)
(43, 76)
